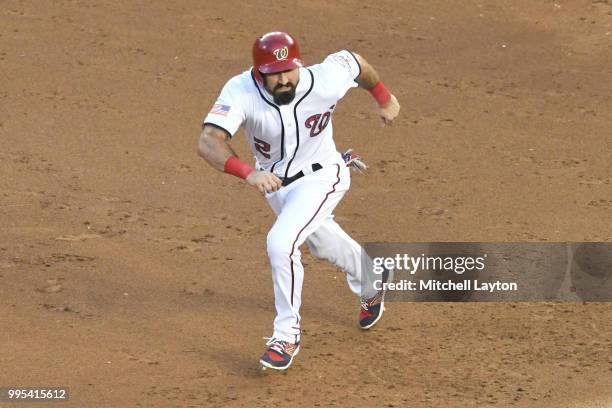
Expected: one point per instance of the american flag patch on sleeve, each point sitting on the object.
(219, 109)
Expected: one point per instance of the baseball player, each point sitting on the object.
(286, 110)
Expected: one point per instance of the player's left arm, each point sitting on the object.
(388, 106)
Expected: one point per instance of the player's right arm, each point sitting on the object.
(214, 147)
(221, 123)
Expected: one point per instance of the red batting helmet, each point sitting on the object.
(275, 52)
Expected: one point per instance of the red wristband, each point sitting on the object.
(238, 168)
(381, 93)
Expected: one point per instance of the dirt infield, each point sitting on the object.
(136, 275)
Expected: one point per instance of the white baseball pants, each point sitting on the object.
(304, 214)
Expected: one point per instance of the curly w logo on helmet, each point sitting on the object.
(281, 53)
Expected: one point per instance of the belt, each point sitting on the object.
(297, 176)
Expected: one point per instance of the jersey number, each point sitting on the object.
(262, 147)
(317, 123)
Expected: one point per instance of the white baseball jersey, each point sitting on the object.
(288, 138)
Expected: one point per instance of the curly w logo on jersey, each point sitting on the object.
(219, 109)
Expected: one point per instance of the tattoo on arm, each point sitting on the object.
(213, 146)
(368, 77)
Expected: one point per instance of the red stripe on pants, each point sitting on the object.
(303, 228)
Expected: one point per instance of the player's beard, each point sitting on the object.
(286, 97)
